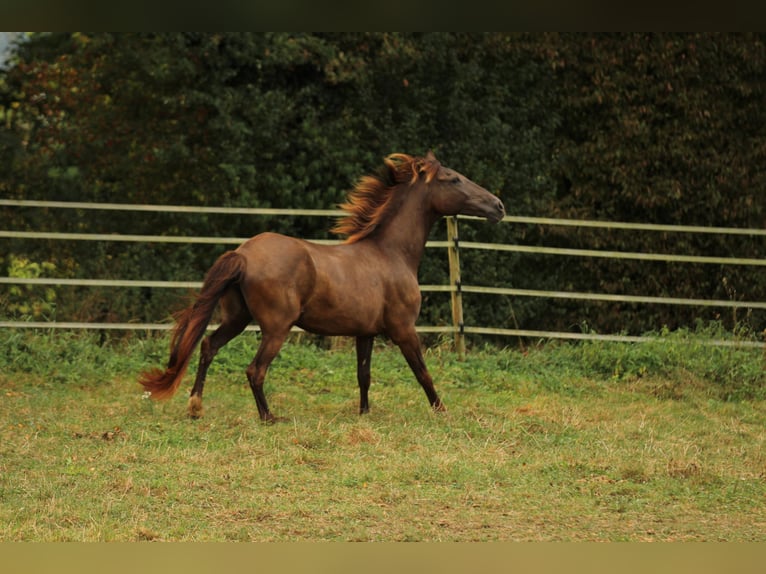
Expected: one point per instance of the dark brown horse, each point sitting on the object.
(361, 288)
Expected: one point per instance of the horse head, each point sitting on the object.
(451, 193)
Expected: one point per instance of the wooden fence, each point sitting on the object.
(455, 247)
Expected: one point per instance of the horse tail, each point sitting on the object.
(191, 324)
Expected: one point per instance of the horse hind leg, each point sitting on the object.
(270, 345)
(235, 318)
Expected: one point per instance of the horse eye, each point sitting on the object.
(455, 179)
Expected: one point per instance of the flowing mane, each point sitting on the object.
(367, 204)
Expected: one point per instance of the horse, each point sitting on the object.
(363, 287)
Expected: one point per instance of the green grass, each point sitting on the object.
(589, 441)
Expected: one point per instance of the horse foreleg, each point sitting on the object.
(256, 372)
(363, 356)
(410, 347)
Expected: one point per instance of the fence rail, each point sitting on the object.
(667, 257)
(574, 295)
(452, 244)
(158, 208)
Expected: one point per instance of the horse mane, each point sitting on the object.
(368, 203)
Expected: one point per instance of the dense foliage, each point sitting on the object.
(667, 128)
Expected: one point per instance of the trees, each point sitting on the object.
(637, 127)
(664, 128)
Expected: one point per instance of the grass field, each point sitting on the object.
(589, 441)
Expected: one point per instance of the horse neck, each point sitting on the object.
(406, 230)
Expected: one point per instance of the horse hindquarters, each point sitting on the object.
(279, 279)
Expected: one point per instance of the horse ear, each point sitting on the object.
(430, 165)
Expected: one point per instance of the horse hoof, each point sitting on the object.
(194, 407)
(271, 419)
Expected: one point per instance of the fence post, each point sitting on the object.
(453, 253)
